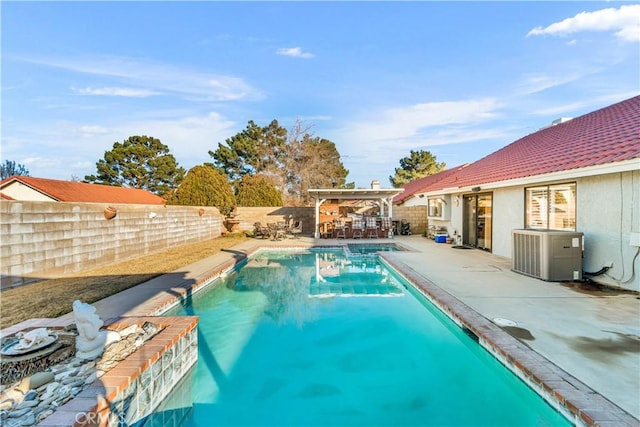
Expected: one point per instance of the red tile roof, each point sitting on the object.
(611, 134)
(425, 184)
(69, 191)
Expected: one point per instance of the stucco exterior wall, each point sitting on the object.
(45, 239)
(608, 212)
(508, 214)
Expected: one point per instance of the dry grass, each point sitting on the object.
(54, 297)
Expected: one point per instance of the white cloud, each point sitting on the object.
(534, 83)
(89, 131)
(379, 139)
(71, 147)
(295, 52)
(624, 22)
(406, 122)
(116, 91)
(155, 77)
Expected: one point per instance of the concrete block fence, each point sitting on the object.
(48, 239)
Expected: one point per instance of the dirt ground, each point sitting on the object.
(54, 297)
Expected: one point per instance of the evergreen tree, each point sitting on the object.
(139, 162)
(417, 165)
(204, 186)
(257, 191)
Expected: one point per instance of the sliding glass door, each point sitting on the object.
(477, 223)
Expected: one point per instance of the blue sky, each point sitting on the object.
(379, 79)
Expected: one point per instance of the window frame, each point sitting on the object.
(442, 203)
(548, 195)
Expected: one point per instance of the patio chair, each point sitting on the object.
(260, 231)
(358, 227)
(387, 227)
(341, 229)
(276, 233)
(371, 227)
(296, 229)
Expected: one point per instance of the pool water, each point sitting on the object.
(372, 248)
(319, 338)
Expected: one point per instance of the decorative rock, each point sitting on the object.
(28, 419)
(34, 398)
(28, 404)
(18, 413)
(31, 395)
(39, 379)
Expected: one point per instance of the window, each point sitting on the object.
(551, 207)
(436, 208)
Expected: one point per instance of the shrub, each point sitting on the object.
(204, 186)
(257, 191)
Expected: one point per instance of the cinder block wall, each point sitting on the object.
(250, 215)
(45, 239)
(415, 215)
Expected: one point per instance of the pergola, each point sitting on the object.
(384, 195)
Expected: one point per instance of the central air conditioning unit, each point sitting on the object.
(554, 256)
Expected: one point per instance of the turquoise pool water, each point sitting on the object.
(318, 338)
(372, 248)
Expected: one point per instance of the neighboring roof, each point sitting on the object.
(69, 191)
(5, 197)
(424, 184)
(608, 135)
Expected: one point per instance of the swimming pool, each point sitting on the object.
(321, 338)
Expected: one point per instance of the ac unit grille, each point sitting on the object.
(527, 254)
(547, 255)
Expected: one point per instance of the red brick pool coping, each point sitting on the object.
(91, 407)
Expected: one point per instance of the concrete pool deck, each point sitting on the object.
(591, 335)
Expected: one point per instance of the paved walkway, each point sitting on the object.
(592, 335)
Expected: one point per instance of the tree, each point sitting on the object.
(11, 168)
(204, 186)
(314, 163)
(139, 162)
(419, 164)
(257, 191)
(255, 150)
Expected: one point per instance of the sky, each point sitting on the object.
(379, 79)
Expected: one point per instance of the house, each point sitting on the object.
(581, 174)
(53, 190)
